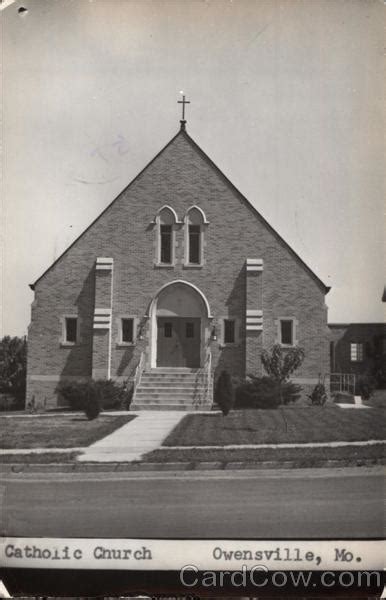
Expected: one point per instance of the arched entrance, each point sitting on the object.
(180, 323)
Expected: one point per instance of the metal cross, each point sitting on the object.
(183, 102)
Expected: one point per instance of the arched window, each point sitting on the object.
(166, 221)
(195, 223)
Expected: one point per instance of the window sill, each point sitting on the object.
(68, 344)
(164, 266)
(125, 344)
(193, 266)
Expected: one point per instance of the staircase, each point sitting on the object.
(169, 388)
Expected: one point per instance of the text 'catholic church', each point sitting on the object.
(177, 280)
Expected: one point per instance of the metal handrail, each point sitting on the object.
(203, 381)
(345, 382)
(138, 372)
(208, 373)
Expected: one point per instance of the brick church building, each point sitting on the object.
(178, 279)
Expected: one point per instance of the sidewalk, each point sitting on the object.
(128, 443)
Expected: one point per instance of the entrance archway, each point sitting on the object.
(180, 316)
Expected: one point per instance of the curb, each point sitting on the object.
(113, 467)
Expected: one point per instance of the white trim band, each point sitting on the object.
(102, 318)
(255, 264)
(104, 264)
(254, 320)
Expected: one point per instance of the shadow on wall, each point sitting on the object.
(237, 298)
(79, 356)
(232, 358)
(127, 354)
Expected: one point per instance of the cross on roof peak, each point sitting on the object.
(183, 102)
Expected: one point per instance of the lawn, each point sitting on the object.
(56, 431)
(41, 458)
(288, 424)
(304, 457)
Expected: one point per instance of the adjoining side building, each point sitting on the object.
(360, 349)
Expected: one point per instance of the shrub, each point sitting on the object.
(264, 392)
(110, 394)
(13, 367)
(75, 394)
(224, 393)
(318, 396)
(365, 386)
(11, 402)
(127, 394)
(93, 405)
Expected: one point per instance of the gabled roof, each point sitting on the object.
(182, 132)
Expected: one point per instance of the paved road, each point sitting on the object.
(276, 504)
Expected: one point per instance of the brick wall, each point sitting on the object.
(373, 338)
(180, 177)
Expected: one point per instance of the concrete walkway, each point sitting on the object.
(145, 433)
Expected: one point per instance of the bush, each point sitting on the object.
(10, 402)
(224, 393)
(127, 395)
(93, 405)
(13, 367)
(318, 396)
(365, 386)
(265, 392)
(75, 394)
(110, 394)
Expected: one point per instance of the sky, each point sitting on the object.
(287, 98)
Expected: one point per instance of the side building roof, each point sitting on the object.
(182, 132)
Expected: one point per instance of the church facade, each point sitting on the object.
(177, 280)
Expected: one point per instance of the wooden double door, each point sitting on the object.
(178, 342)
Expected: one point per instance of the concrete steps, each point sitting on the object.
(171, 389)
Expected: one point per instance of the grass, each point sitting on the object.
(41, 458)
(304, 456)
(378, 399)
(56, 431)
(285, 425)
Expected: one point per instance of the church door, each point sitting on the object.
(178, 342)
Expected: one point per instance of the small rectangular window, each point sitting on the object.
(166, 244)
(194, 244)
(229, 331)
(286, 332)
(189, 330)
(168, 330)
(127, 329)
(356, 352)
(71, 330)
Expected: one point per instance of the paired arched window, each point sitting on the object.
(167, 224)
(195, 222)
